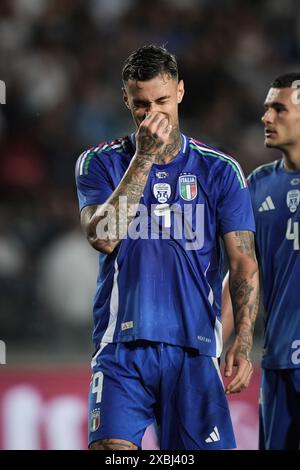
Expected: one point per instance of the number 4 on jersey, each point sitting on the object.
(292, 233)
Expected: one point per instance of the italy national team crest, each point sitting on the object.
(95, 420)
(187, 187)
(293, 199)
(162, 192)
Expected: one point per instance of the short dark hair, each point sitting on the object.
(286, 80)
(148, 62)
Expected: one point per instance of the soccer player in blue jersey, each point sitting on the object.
(275, 192)
(155, 204)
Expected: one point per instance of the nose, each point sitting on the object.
(268, 116)
(152, 107)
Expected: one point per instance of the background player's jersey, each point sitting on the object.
(164, 283)
(275, 196)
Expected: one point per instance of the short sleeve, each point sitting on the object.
(93, 182)
(235, 209)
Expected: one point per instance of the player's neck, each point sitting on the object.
(291, 160)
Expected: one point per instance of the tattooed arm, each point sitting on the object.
(107, 224)
(244, 292)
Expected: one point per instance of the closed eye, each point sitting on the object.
(140, 104)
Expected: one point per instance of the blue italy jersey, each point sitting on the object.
(275, 196)
(163, 282)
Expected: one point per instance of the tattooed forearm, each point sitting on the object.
(245, 243)
(244, 289)
(245, 301)
(107, 224)
(241, 291)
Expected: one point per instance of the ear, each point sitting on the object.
(125, 98)
(180, 91)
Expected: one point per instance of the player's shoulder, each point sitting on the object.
(210, 153)
(106, 148)
(102, 152)
(218, 159)
(263, 171)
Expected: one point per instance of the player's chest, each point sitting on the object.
(180, 188)
(277, 214)
(277, 202)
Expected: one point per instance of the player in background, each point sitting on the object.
(155, 205)
(275, 193)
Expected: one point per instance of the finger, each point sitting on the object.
(163, 127)
(242, 378)
(158, 122)
(167, 129)
(235, 386)
(249, 378)
(150, 123)
(159, 127)
(147, 117)
(251, 370)
(239, 381)
(150, 118)
(161, 122)
(228, 365)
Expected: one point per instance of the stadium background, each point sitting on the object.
(61, 62)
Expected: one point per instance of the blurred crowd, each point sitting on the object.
(61, 61)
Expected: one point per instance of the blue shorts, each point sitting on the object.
(134, 384)
(279, 409)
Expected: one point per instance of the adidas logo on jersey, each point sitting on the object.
(214, 436)
(267, 205)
